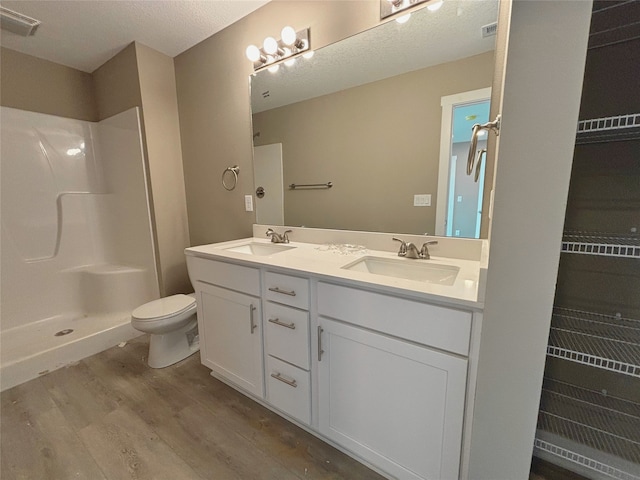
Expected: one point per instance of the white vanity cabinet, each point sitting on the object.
(394, 402)
(229, 322)
(287, 356)
(380, 374)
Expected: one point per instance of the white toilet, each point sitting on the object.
(173, 328)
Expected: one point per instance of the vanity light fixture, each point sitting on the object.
(274, 52)
(392, 7)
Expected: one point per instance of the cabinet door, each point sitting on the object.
(396, 404)
(230, 336)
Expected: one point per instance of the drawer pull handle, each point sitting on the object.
(252, 324)
(291, 383)
(277, 321)
(320, 350)
(284, 292)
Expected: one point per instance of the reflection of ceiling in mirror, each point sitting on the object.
(428, 38)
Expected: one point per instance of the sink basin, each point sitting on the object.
(408, 269)
(262, 249)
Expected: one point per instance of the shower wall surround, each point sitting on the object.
(76, 230)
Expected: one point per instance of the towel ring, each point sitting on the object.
(234, 170)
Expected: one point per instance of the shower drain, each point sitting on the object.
(66, 331)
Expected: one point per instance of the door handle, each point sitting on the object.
(278, 376)
(277, 321)
(252, 324)
(320, 350)
(291, 293)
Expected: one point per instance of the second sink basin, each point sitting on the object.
(417, 270)
(262, 249)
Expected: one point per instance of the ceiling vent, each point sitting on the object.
(489, 30)
(17, 23)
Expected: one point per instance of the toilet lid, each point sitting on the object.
(164, 307)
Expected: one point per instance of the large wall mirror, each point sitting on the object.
(366, 115)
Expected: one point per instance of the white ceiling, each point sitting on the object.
(84, 34)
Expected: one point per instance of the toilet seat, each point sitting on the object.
(163, 308)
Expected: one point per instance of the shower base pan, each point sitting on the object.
(40, 347)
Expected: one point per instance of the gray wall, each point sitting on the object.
(36, 85)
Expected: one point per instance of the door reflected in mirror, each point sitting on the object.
(365, 114)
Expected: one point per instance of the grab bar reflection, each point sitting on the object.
(295, 186)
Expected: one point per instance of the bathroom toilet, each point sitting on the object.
(173, 328)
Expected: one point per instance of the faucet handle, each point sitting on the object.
(424, 251)
(285, 237)
(403, 247)
(269, 232)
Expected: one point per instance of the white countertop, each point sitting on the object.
(320, 261)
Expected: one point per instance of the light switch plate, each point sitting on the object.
(422, 200)
(248, 203)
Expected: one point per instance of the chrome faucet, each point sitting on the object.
(278, 237)
(409, 250)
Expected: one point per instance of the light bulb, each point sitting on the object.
(290, 62)
(253, 53)
(308, 54)
(403, 18)
(435, 6)
(288, 35)
(274, 68)
(270, 45)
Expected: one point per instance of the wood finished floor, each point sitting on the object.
(110, 416)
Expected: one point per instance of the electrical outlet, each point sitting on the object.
(248, 203)
(422, 200)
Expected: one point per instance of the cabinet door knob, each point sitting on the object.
(277, 321)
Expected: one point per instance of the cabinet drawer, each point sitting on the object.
(440, 327)
(286, 289)
(227, 275)
(287, 334)
(288, 389)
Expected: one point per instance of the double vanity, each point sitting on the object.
(370, 351)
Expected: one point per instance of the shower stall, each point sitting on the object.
(77, 241)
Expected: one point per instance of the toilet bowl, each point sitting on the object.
(173, 328)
